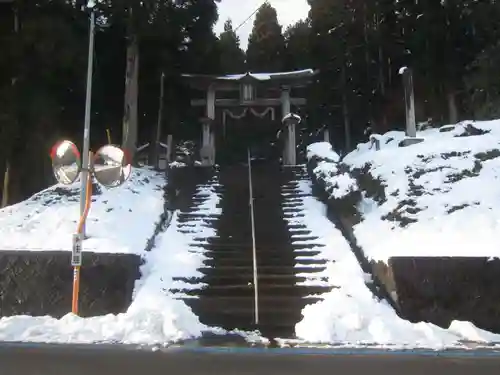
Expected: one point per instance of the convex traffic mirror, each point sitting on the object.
(66, 162)
(111, 166)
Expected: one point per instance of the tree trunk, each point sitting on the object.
(452, 107)
(5, 190)
(345, 111)
(130, 126)
(156, 137)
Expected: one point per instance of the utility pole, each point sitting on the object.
(86, 129)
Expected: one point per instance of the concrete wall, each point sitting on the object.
(40, 283)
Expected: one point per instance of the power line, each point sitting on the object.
(250, 16)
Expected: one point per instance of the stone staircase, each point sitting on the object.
(308, 248)
(227, 299)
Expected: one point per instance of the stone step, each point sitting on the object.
(197, 215)
(237, 246)
(294, 227)
(293, 215)
(246, 253)
(216, 279)
(262, 261)
(236, 303)
(281, 290)
(292, 204)
(271, 330)
(275, 270)
(244, 321)
(299, 232)
(184, 218)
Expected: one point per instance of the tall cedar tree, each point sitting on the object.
(266, 44)
(298, 51)
(232, 57)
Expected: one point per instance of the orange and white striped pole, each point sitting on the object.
(76, 256)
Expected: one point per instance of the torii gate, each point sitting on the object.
(250, 92)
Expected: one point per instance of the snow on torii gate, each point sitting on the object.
(247, 84)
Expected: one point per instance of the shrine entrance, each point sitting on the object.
(248, 128)
(249, 111)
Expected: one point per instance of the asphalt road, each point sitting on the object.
(100, 360)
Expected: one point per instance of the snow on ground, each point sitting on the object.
(440, 197)
(154, 316)
(350, 315)
(121, 219)
(324, 151)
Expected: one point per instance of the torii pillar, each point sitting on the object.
(208, 137)
(290, 121)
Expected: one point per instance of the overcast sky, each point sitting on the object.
(289, 12)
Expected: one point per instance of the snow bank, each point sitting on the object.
(154, 317)
(435, 198)
(350, 315)
(323, 151)
(120, 220)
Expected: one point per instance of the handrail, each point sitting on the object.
(254, 250)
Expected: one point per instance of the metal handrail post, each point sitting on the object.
(254, 250)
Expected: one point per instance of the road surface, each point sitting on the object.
(109, 360)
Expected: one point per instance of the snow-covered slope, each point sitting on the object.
(154, 316)
(350, 315)
(436, 198)
(120, 220)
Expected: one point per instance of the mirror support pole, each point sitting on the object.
(86, 131)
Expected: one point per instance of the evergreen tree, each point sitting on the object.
(266, 44)
(232, 57)
(298, 51)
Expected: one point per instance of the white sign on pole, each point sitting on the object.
(76, 254)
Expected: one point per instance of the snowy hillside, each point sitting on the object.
(154, 316)
(436, 198)
(350, 315)
(120, 219)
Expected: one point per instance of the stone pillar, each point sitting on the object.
(411, 123)
(290, 121)
(326, 134)
(411, 127)
(208, 137)
(285, 101)
(285, 111)
(206, 142)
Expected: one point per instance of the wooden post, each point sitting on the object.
(5, 191)
(411, 126)
(169, 148)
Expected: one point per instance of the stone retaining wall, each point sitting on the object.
(40, 283)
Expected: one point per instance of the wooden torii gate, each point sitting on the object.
(248, 91)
